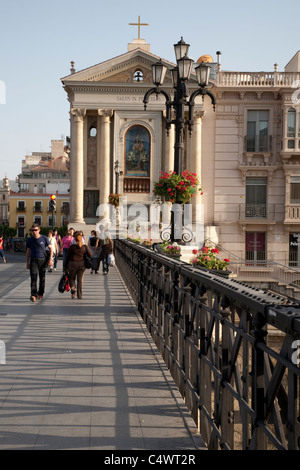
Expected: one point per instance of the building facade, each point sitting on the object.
(246, 152)
(43, 174)
(27, 208)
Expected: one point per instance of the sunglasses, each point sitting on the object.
(34, 229)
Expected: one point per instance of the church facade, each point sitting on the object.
(246, 152)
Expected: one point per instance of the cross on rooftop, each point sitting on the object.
(139, 24)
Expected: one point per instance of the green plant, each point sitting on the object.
(177, 188)
(208, 258)
(134, 239)
(171, 249)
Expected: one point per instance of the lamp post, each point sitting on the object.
(118, 173)
(181, 100)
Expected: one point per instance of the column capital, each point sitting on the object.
(199, 114)
(78, 112)
(105, 112)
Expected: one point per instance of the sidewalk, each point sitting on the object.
(85, 374)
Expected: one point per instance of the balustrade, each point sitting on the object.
(257, 79)
(136, 185)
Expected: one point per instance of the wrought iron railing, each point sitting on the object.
(231, 349)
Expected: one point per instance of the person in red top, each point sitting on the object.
(75, 264)
(1, 249)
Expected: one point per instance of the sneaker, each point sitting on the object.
(33, 298)
(40, 297)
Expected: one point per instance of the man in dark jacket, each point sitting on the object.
(37, 258)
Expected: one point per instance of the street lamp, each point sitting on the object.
(180, 76)
(118, 173)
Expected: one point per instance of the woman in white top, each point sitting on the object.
(53, 243)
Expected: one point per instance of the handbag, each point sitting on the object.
(87, 259)
(63, 283)
(111, 259)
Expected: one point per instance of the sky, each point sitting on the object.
(39, 39)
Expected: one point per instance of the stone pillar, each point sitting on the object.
(104, 116)
(194, 157)
(194, 165)
(77, 166)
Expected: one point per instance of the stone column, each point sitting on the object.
(77, 166)
(104, 116)
(194, 165)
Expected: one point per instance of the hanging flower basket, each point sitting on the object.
(114, 199)
(178, 189)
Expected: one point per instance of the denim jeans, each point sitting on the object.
(37, 272)
(105, 265)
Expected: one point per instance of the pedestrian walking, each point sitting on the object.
(75, 264)
(53, 243)
(106, 246)
(93, 246)
(66, 243)
(58, 241)
(1, 249)
(37, 259)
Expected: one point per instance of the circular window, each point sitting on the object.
(138, 76)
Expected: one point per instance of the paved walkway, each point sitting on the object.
(85, 374)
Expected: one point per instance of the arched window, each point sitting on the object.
(137, 152)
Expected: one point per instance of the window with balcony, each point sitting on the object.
(295, 190)
(37, 220)
(21, 206)
(37, 206)
(65, 208)
(258, 138)
(256, 198)
(291, 128)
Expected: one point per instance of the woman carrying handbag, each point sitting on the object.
(75, 264)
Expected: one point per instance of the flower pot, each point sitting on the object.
(220, 272)
(173, 256)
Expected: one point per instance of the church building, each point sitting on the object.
(246, 151)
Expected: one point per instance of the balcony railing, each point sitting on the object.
(258, 143)
(136, 185)
(292, 214)
(257, 211)
(257, 79)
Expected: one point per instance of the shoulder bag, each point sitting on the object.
(46, 252)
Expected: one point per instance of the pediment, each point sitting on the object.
(120, 69)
